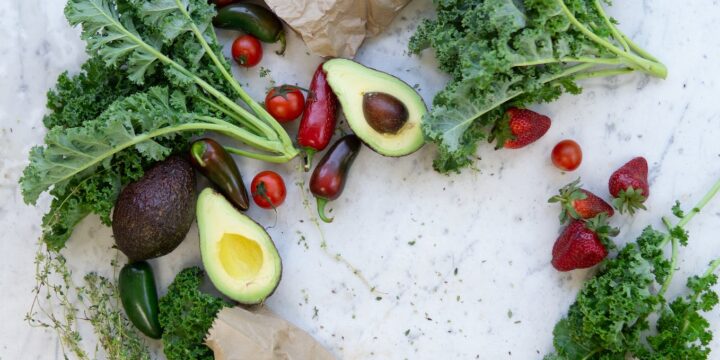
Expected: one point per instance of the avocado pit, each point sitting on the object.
(385, 113)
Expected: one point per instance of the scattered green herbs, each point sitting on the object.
(609, 319)
(61, 305)
(509, 53)
(186, 315)
(155, 77)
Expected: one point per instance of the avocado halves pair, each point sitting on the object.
(329, 178)
(211, 159)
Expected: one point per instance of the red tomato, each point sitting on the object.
(567, 155)
(268, 189)
(285, 103)
(247, 51)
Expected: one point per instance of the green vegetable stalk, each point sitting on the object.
(609, 319)
(508, 53)
(155, 78)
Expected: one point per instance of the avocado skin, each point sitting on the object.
(153, 215)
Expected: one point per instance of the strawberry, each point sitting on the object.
(578, 203)
(583, 244)
(526, 126)
(629, 185)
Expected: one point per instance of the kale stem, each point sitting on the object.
(713, 266)
(616, 33)
(259, 110)
(673, 259)
(607, 61)
(603, 73)
(288, 149)
(651, 67)
(695, 210)
(241, 134)
(258, 128)
(684, 221)
(636, 48)
(278, 159)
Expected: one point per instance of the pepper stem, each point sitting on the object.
(309, 153)
(283, 42)
(196, 151)
(321, 210)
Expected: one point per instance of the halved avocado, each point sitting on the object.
(238, 254)
(385, 112)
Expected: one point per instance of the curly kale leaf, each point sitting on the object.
(83, 97)
(86, 165)
(609, 318)
(507, 53)
(186, 315)
(610, 311)
(154, 65)
(683, 333)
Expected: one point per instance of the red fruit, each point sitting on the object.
(581, 245)
(526, 126)
(285, 103)
(629, 185)
(578, 203)
(566, 155)
(247, 51)
(268, 189)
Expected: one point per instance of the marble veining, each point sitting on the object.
(458, 265)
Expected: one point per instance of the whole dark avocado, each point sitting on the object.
(153, 215)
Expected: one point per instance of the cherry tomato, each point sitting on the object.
(247, 51)
(268, 189)
(285, 103)
(567, 155)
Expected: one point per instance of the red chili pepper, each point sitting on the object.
(318, 121)
(328, 179)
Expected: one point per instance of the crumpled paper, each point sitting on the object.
(336, 28)
(238, 334)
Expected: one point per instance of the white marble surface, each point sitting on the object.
(476, 283)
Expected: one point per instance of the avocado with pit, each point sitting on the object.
(238, 254)
(382, 110)
(153, 215)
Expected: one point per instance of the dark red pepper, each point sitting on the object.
(318, 121)
(328, 179)
(211, 159)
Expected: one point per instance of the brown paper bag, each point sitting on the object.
(238, 334)
(336, 27)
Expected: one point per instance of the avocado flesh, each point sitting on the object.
(238, 254)
(350, 81)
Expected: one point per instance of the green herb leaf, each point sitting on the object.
(186, 315)
(505, 53)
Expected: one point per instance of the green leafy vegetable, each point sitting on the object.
(155, 78)
(61, 305)
(609, 319)
(505, 53)
(186, 315)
